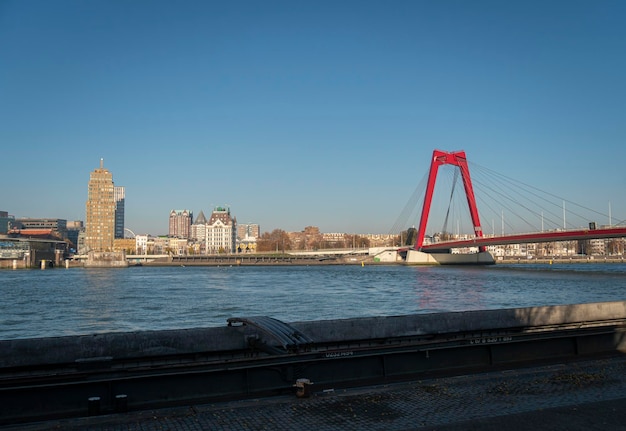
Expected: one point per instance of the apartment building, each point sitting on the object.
(180, 224)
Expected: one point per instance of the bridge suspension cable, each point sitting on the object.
(517, 206)
(527, 203)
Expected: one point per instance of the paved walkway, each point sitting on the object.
(588, 395)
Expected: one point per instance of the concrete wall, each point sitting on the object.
(112, 259)
(59, 350)
(420, 258)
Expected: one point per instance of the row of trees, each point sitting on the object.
(310, 239)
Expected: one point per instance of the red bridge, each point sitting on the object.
(568, 235)
(459, 159)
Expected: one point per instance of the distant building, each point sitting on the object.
(215, 235)
(180, 224)
(74, 228)
(248, 231)
(334, 239)
(178, 246)
(119, 194)
(128, 245)
(597, 247)
(198, 229)
(57, 226)
(247, 236)
(221, 232)
(382, 240)
(81, 247)
(100, 211)
(6, 222)
(141, 244)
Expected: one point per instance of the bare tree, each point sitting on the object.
(276, 240)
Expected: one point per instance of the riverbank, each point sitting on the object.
(562, 260)
(293, 260)
(299, 260)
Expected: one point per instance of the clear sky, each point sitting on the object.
(298, 113)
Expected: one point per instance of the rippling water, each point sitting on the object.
(57, 302)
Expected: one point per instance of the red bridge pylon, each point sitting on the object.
(459, 159)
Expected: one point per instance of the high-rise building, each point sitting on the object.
(119, 195)
(100, 220)
(180, 223)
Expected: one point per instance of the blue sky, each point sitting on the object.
(297, 113)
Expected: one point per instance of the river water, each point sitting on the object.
(59, 302)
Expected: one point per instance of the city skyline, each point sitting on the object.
(294, 115)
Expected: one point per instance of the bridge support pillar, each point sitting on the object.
(415, 257)
(459, 159)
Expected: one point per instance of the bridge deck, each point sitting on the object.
(566, 235)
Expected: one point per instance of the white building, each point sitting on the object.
(216, 235)
(221, 232)
(198, 228)
(141, 244)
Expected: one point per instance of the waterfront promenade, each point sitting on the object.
(586, 395)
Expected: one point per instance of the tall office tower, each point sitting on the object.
(100, 221)
(119, 194)
(180, 223)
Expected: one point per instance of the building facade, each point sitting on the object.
(247, 236)
(58, 226)
(221, 232)
(74, 228)
(216, 235)
(100, 211)
(141, 244)
(6, 222)
(119, 194)
(248, 231)
(180, 224)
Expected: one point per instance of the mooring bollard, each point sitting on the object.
(303, 388)
(93, 406)
(121, 403)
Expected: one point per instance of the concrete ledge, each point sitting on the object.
(465, 321)
(60, 350)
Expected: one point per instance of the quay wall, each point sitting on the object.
(70, 349)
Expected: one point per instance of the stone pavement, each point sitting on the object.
(587, 395)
